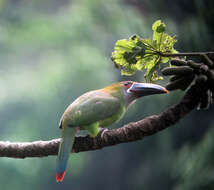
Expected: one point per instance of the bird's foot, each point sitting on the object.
(102, 131)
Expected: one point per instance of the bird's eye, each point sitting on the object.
(127, 84)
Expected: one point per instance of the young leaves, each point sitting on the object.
(137, 53)
(128, 54)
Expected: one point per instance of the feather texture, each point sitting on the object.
(68, 135)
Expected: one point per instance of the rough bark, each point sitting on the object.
(131, 132)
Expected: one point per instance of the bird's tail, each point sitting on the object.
(68, 135)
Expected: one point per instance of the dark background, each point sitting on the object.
(53, 51)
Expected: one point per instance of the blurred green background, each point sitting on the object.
(53, 51)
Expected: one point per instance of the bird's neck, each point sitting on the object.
(128, 98)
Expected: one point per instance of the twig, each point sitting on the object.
(184, 54)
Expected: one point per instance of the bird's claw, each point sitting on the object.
(102, 131)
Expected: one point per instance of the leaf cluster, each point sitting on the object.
(137, 53)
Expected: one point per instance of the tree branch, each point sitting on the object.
(197, 54)
(131, 132)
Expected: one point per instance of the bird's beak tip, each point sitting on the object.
(166, 91)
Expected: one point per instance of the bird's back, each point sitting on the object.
(92, 107)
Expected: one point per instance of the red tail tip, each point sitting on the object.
(60, 176)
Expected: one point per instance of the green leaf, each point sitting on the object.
(137, 53)
(158, 30)
(167, 44)
(127, 72)
(151, 66)
(164, 59)
(128, 53)
(159, 26)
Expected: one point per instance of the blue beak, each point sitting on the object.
(145, 89)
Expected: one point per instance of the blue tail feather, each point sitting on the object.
(68, 135)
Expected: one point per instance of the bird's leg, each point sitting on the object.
(93, 129)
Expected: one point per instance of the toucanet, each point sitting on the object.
(98, 108)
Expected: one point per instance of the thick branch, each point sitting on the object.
(131, 132)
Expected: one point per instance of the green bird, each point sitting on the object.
(98, 108)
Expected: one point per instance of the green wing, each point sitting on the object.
(93, 107)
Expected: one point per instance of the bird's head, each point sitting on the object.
(133, 90)
(142, 89)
